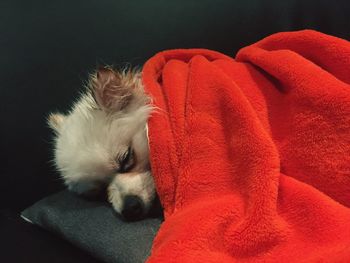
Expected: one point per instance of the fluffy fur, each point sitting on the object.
(106, 126)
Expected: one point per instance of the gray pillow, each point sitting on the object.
(94, 227)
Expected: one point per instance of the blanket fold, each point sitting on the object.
(251, 156)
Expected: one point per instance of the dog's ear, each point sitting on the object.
(110, 89)
(55, 121)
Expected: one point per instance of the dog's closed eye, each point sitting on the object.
(126, 161)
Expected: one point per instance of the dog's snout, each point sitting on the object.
(133, 208)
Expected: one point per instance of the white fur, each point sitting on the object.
(90, 141)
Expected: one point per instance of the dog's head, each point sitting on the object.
(102, 142)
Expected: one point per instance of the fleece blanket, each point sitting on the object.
(251, 156)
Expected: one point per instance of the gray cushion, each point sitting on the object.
(94, 227)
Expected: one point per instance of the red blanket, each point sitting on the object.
(251, 156)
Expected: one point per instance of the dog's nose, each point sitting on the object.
(133, 208)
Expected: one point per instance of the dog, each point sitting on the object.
(101, 144)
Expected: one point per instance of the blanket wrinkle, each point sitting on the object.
(251, 155)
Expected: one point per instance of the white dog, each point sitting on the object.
(102, 142)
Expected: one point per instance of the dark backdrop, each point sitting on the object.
(47, 49)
